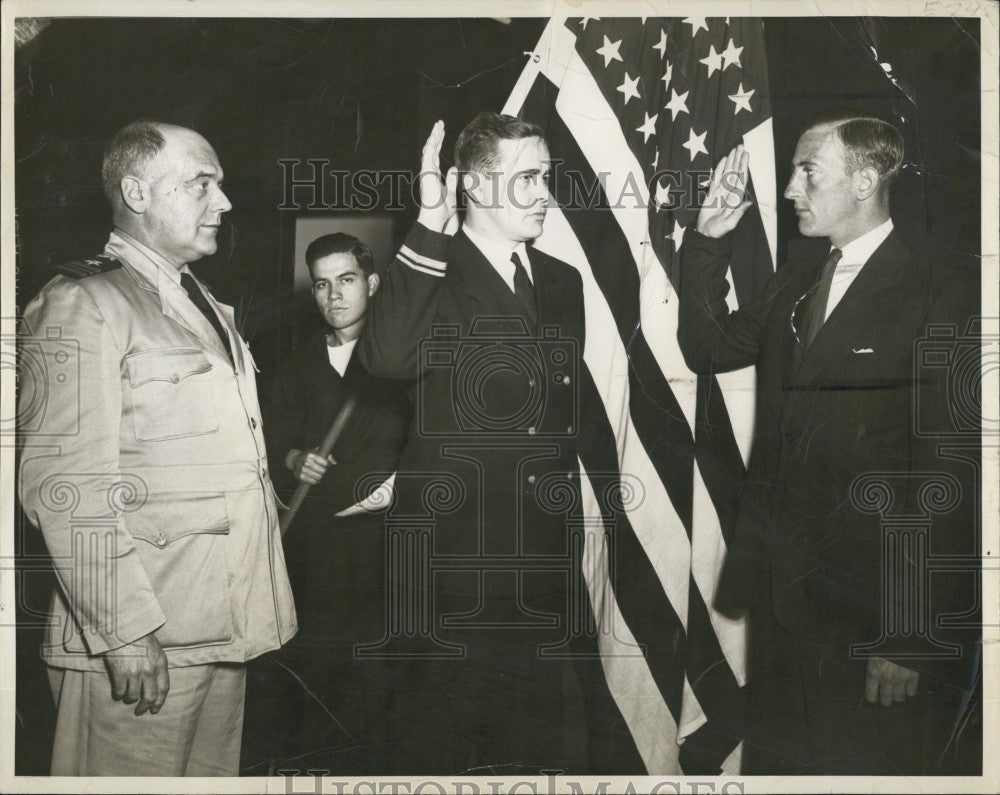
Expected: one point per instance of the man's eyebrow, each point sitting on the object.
(211, 173)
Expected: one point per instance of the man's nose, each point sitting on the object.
(792, 189)
(221, 202)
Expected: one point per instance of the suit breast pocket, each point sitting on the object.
(170, 393)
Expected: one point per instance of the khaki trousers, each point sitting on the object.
(196, 733)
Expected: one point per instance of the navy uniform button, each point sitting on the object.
(531, 479)
(531, 431)
(174, 378)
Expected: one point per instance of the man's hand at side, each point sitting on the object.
(438, 206)
(725, 203)
(887, 682)
(138, 672)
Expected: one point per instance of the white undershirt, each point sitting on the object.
(855, 255)
(340, 355)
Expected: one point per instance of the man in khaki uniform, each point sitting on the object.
(145, 469)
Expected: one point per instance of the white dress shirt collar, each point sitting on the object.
(854, 256)
(497, 253)
(858, 251)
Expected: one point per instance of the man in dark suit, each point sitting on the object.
(493, 330)
(331, 713)
(835, 687)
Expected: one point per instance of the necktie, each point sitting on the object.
(821, 295)
(199, 300)
(523, 288)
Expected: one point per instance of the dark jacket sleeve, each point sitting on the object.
(403, 310)
(711, 338)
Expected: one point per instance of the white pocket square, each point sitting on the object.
(862, 350)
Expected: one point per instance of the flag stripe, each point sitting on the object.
(637, 694)
(626, 99)
(719, 459)
(664, 433)
(657, 415)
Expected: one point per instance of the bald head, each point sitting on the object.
(164, 183)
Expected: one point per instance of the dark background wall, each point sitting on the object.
(362, 94)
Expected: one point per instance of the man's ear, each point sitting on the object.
(866, 182)
(373, 283)
(135, 193)
(472, 182)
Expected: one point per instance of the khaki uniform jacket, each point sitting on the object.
(143, 464)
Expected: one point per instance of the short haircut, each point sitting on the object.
(340, 243)
(477, 147)
(868, 139)
(131, 150)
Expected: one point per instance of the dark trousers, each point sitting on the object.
(361, 689)
(808, 715)
(503, 709)
(315, 704)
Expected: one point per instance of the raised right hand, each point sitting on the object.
(438, 206)
(138, 672)
(725, 203)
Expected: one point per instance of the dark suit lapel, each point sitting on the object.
(495, 305)
(550, 289)
(861, 305)
(794, 325)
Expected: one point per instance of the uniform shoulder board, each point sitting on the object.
(81, 268)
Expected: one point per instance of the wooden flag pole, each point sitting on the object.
(324, 451)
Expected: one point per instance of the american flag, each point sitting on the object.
(636, 112)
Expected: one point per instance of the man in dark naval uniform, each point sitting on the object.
(335, 547)
(488, 577)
